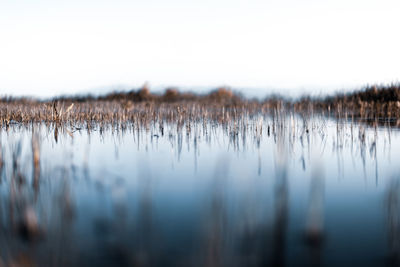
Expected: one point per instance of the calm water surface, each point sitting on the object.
(263, 194)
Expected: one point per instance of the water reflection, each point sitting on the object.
(254, 191)
(393, 221)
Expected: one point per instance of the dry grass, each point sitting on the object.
(220, 105)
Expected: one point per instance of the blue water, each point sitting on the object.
(208, 197)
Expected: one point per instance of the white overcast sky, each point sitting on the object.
(50, 47)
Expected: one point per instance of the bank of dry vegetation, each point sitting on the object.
(370, 103)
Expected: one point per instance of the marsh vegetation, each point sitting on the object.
(178, 179)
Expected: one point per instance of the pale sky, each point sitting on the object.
(50, 47)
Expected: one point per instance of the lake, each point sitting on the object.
(256, 192)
